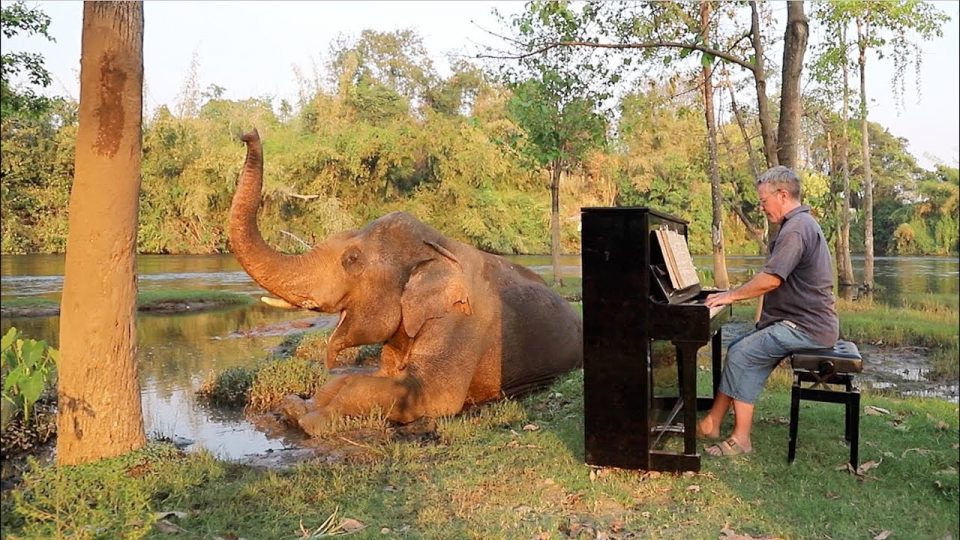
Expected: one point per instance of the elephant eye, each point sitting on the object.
(351, 259)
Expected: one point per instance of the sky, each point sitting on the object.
(252, 48)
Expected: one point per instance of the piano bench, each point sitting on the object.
(822, 367)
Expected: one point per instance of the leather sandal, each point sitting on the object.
(729, 447)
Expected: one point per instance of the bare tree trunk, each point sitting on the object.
(99, 394)
(760, 78)
(844, 257)
(555, 172)
(758, 233)
(863, 34)
(720, 278)
(743, 128)
(794, 48)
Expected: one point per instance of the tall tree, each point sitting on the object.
(883, 26)
(560, 128)
(720, 277)
(100, 413)
(832, 58)
(791, 107)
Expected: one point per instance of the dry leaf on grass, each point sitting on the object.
(693, 489)
(883, 535)
(727, 533)
(531, 427)
(875, 411)
(166, 527)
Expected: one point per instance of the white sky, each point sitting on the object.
(251, 48)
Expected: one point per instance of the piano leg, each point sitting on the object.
(687, 374)
(716, 346)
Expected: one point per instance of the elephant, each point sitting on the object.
(458, 326)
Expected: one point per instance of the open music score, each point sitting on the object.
(679, 263)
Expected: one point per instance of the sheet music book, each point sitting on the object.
(679, 263)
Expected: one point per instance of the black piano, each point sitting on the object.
(629, 302)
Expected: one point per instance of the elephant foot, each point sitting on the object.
(293, 408)
(316, 423)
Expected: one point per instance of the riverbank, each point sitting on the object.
(157, 302)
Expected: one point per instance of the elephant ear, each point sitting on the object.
(436, 287)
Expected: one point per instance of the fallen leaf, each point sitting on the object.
(531, 427)
(875, 411)
(351, 525)
(165, 526)
(883, 535)
(942, 426)
(694, 488)
(864, 467)
(921, 451)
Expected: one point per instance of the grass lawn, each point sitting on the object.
(515, 469)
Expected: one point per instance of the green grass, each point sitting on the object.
(514, 469)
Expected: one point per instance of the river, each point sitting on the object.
(178, 352)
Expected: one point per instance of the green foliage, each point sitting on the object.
(28, 366)
(470, 154)
(15, 99)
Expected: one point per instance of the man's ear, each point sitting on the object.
(436, 287)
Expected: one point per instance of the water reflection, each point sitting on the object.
(176, 352)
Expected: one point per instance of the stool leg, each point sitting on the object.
(794, 420)
(853, 421)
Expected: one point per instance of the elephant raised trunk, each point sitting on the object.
(283, 275)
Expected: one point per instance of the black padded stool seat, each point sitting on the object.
(820, 368)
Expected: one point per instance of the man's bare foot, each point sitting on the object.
(706, 429)
(729, 447)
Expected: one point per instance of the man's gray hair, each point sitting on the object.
(784, 178)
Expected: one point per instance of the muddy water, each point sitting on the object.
(177, 352)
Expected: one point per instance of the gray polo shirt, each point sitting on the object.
(800, 256)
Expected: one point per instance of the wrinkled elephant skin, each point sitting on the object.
(458, 326)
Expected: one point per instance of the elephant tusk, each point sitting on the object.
(276, 302)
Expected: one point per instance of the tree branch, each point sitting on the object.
(642, 45)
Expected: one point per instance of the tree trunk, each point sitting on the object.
(760, 79)
(555, 172)
(794, 48)
(863, 34)
(98, 390)
(720, 278)
(844, 260)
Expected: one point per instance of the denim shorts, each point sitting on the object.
(752, 357)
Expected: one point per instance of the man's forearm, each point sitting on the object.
(759, 285)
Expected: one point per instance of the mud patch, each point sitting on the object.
(355, 446)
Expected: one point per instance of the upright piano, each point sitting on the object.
(629, 301)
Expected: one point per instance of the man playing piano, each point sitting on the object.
(798, 310)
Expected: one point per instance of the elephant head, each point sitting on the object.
(394, 269)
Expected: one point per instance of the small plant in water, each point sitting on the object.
(28, 366)
(230, 387)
